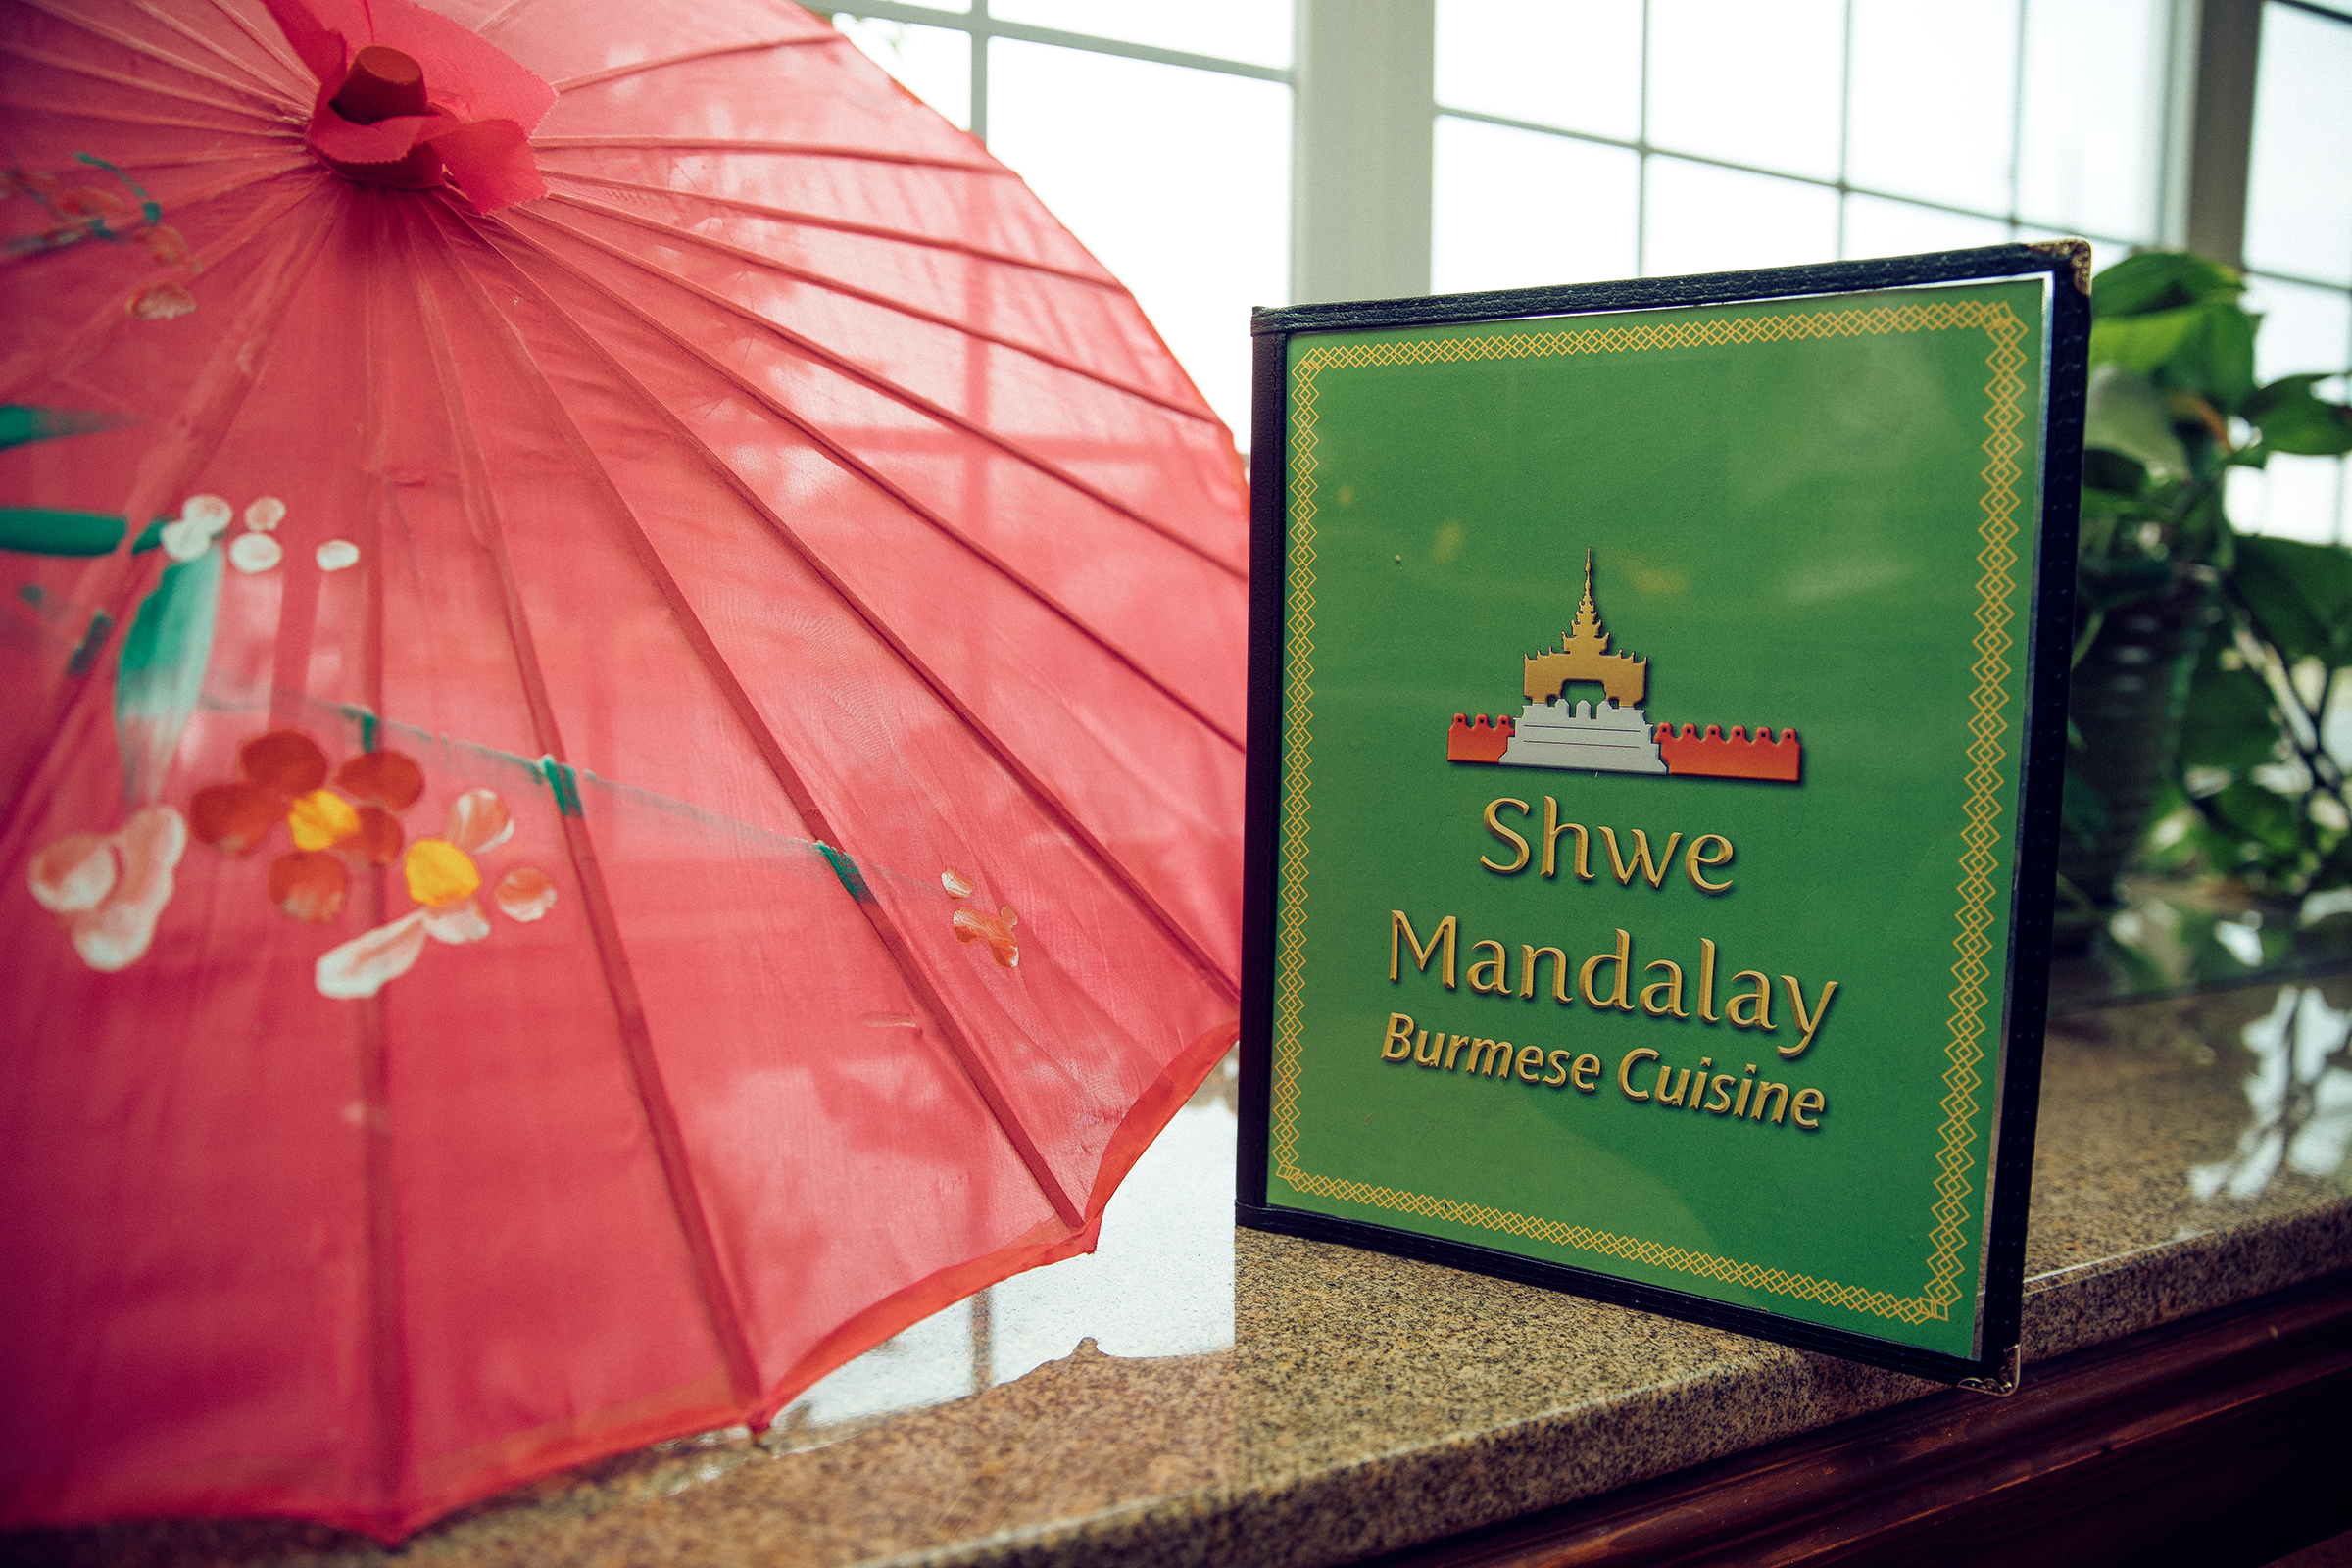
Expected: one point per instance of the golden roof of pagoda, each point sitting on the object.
(1584, 655)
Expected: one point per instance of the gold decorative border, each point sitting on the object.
(1980, 864)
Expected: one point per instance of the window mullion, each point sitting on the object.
(1363, 120)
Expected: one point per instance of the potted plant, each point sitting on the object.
(2205, 660)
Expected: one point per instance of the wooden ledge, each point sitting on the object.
(2221, 1439)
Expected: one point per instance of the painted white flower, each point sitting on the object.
(200, 520)
(109, 889)
(442, 878)
(254, 552)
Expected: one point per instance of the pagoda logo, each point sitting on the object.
(1613, 734)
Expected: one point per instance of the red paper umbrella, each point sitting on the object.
(621, 750)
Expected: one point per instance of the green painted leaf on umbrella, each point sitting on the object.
(21, 422)
(46, 531)
(163, 660)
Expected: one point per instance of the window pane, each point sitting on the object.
(2299, 200)
(1161, 1282)
(928, 1362)
(1935, 90)
(1179, 180)
(2093, 119)
(2295, 498)
(1749, 83)
(1875, 227)
(1703, 220)
(1254, 30)
(935, 63)
(1576, 64)
(2303, 329)
(1517, 207)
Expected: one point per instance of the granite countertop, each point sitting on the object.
(1192, 1394)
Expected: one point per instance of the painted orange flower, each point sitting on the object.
(978, 925)
(282, 776)
(442, 878)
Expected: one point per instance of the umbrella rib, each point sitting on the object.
(874, 297)
(781, 148)
(110, 315)
(1048, 801)
(135, 46)
(859, 467)
(502, 15)
(846, 225)
(796, 789)
(272, 44)
(596, 79)
(852, 371)
(225, 186)
(292, 132)
(154, 89)
(653, 1094)
(193, 160)
(220, 388)
(389, 1369)
(289, 91)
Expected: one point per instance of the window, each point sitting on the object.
(1573, 140)
(1181, 180)
(2299, 253)
(1582, 139)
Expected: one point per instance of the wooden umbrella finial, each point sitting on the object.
(384, 83)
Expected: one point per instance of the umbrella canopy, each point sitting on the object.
(623, 739)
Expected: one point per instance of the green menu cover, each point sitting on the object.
(1652, 874)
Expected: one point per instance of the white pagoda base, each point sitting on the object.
(1614, 740)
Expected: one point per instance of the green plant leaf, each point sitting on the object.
(2080, 812)
(2216, 356)
(2126, 413)
(2306, 424)
(162, 673)
(2108, 582)
(2283, 389)
(2161, 280)
(2259, 818)
(2302, 596)
(2337, 871)
(2142, 343)
(2106, 469)
(2110, 504)
(2228, 722)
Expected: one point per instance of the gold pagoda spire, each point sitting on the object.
(1590, 636)
(1583, 656)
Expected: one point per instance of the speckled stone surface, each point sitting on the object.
(1368, 1402)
